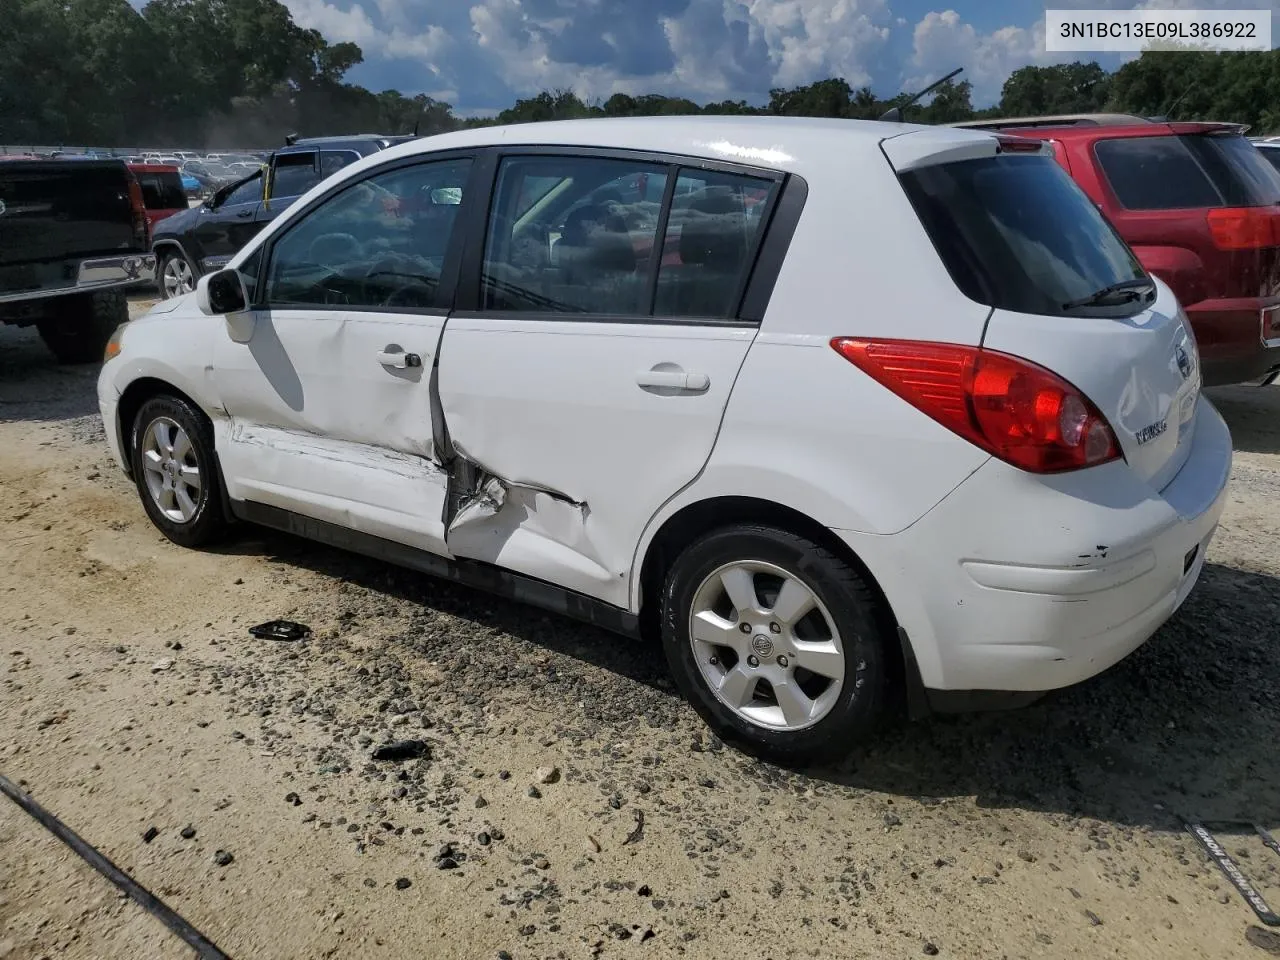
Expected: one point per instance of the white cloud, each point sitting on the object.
(336, 25)
(812, 39)
(943, 41)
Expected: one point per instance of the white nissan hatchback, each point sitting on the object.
(842, 410)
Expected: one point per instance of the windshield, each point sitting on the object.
(1016, 233)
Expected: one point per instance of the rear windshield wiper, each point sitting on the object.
(1121, 291)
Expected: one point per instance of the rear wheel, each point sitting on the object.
(78, 327)
(176, 274)
(176, 472)
(776, 642)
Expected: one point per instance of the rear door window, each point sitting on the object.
(1016, 233)
(1155, 173)
(294, 175)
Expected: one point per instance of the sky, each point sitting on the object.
(481, 55)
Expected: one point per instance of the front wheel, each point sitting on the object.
(776, 642)
(177, 276)
(176, 471)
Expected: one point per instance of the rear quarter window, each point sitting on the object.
(1016, 233)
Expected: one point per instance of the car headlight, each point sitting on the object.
(113, 342)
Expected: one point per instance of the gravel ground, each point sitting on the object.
(566, 803)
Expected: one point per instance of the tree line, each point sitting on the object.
(228, 73)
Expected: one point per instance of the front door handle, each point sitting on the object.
(674, 380)
(245, 214)
(398, 359)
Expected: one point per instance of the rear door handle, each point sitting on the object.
(399, 359)
(674, 380)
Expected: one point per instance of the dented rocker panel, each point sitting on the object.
(482, 576)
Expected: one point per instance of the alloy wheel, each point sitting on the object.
(177, 277)
(171, 470)
(766, 645)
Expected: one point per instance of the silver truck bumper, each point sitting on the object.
(97, 274)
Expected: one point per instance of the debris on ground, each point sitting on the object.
(398, 750)
(281, 630)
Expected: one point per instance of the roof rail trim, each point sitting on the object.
(1061, 120)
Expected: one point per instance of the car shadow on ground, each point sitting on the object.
(34, 386)
(1253, 414)
(1187, 725)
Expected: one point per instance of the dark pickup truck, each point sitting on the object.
(73, 237)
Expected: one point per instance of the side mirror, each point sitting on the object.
(224, 294)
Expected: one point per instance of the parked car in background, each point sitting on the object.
(73, 237)
(204, 238)
(1200, 206)
(1270, 149)
(212, 174)
(986, 472)
(162, 192)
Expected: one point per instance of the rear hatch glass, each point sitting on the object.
(1196, 174)
(1016, 233)
(162, 191)
(1189, 171)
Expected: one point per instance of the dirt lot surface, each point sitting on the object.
(571, 805)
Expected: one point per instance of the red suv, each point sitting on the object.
(162, 192)
(1200, 207)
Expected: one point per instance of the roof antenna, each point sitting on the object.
(894, 114)
(415, 125)
(290, 139)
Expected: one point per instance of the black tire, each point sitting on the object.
(861, 703)
(78, 327)
(207, 524)
(162, 260)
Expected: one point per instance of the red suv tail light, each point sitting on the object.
(1012, 408)
(1244, 228)
(139, 208)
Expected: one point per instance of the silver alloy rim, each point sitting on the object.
(177, 277)
(766, 645)
(171, 470)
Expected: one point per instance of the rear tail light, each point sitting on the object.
(1012, 408)
(1244, 228)
(139, 209)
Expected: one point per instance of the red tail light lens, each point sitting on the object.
(1244, 228)
(139, 208)
(1012, 408)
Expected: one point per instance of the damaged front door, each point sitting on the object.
(573, 413)
(329, 397)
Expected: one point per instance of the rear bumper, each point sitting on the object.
(98, 273)
(1024, 584)
(1238, 339)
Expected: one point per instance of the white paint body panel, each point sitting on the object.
(557, 405)
(1128, 367)
(1001, 579)
(1017, 582)
(316, 424)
